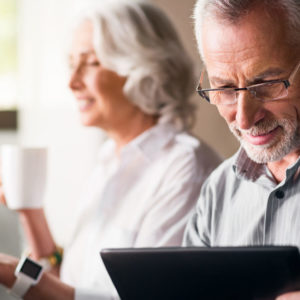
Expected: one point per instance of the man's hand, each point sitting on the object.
(289, 296)
(8, 265)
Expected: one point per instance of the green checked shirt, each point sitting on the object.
(242, 205)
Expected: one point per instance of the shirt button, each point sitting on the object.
(279, 194)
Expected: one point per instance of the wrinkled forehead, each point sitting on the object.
(256, 38)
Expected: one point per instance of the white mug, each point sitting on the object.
(24, 173)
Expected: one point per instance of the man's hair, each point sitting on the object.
(231, 11)
(135, 39)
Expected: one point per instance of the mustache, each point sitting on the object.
(261, 128)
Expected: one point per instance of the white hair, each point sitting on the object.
(232, 11)
(136, 39)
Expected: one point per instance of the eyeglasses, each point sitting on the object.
(264, 92)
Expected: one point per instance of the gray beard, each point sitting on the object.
(288, 141)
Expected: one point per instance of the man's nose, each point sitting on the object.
(249, 110)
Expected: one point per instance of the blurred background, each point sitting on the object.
(37, 109)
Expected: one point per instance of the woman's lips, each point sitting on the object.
(262, 139)
(85, 104)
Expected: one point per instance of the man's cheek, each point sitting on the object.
(227, 114)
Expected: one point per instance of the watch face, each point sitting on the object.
(31, 269)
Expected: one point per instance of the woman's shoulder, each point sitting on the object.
(188, 145)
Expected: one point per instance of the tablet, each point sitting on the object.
(220, 273)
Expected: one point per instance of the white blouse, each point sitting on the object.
(141, 198)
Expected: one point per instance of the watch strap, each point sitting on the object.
(20, 287)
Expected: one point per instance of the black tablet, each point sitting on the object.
(220, 273)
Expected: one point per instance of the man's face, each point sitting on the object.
(251, 52)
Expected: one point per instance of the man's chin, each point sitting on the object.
(260, 157)
(267, 154)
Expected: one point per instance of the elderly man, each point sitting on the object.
(251, 53)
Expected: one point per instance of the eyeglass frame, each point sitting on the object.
(287, 83)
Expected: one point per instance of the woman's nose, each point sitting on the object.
(249, 110)
(75, 82)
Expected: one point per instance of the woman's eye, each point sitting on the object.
(93, 63)
(83, 65)
(71, 66)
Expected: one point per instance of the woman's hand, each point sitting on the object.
(8, 265)
(49, 288)
(2, 197)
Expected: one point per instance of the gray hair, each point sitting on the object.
(232, 11)
(137, 40)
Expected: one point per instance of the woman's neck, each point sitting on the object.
(124, 133)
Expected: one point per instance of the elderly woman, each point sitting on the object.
(131, 77)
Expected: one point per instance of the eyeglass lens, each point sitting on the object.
(266, 92)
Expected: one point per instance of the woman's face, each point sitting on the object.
(99, 91)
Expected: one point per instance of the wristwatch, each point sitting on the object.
(28, 273)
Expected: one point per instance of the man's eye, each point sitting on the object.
(226, 87)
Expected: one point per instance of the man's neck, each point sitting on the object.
(278, 168)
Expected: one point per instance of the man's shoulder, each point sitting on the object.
(226, 167)
(224, 175)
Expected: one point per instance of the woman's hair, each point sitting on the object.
(136, 39)
(231, 11)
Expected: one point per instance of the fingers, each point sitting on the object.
(289, 296)
(2, 197)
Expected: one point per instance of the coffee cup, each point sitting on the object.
(24, 173)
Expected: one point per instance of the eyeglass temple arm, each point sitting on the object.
(200, 80)
(294, 73)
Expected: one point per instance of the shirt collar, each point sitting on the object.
(150, 142)
(146, 145)
(246, 168)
